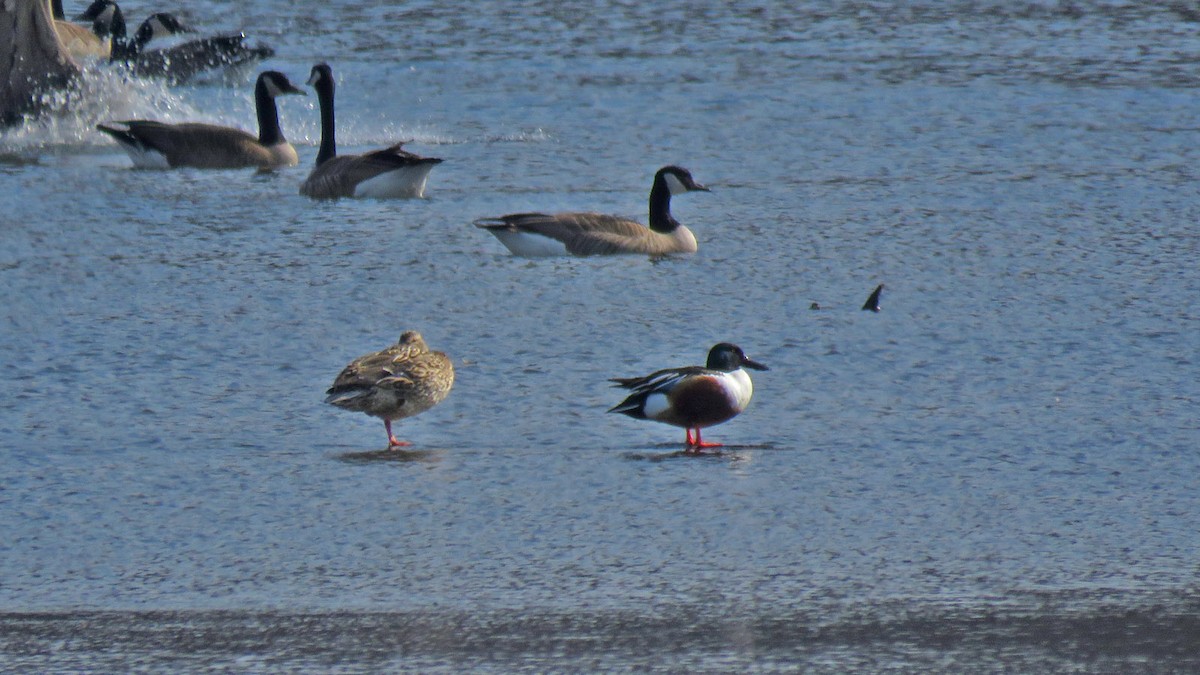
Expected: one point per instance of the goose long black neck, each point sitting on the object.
(120, 48)
(328, 151)
(141, 38)
(269, 132)
(660, 207)
(56, 8)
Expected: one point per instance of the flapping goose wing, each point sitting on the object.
(33, 59)
(80, 42)
(182, 62)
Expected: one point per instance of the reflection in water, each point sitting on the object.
(1036, 634)
(400, 455)
(724, 453)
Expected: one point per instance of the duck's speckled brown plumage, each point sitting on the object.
(398, 382)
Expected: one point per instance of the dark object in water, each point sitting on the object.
(873, 301)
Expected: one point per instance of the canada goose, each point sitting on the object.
(106, 19)
(397, 382)
(583, 234)
(33, 58)
(79, 40)
(158, 145)
(391, 172)
(692, 397)
(176, 64)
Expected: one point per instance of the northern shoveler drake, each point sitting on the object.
(692, 397)
(583, 234)
(400, 381)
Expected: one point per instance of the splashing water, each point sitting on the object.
(101, 92)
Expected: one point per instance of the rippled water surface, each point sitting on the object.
(996, 471)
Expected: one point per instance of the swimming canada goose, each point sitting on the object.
(692, 397)
(397, 382)
(582, 234)
(159, 145)
(176, 64)
(33, 59)
(79, 40)
(108, 24)
(391, 172)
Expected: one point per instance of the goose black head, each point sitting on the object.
(104, 15)
(160, 25)
(274, 83)
(679, 180)
(320, 73)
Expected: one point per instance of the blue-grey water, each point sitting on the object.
(997, 472)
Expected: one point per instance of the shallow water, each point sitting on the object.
(1006, 452)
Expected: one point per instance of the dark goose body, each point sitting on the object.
(388, 173)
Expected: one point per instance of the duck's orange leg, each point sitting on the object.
(392, 442)
(699, 442)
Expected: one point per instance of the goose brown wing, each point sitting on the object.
(196, 144)
(182, 62)
(587, 233)
(80, 42)
(339, 176)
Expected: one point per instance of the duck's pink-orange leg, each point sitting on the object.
(392, 442)
(699, 442)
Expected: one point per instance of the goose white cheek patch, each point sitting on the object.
(675, 185)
